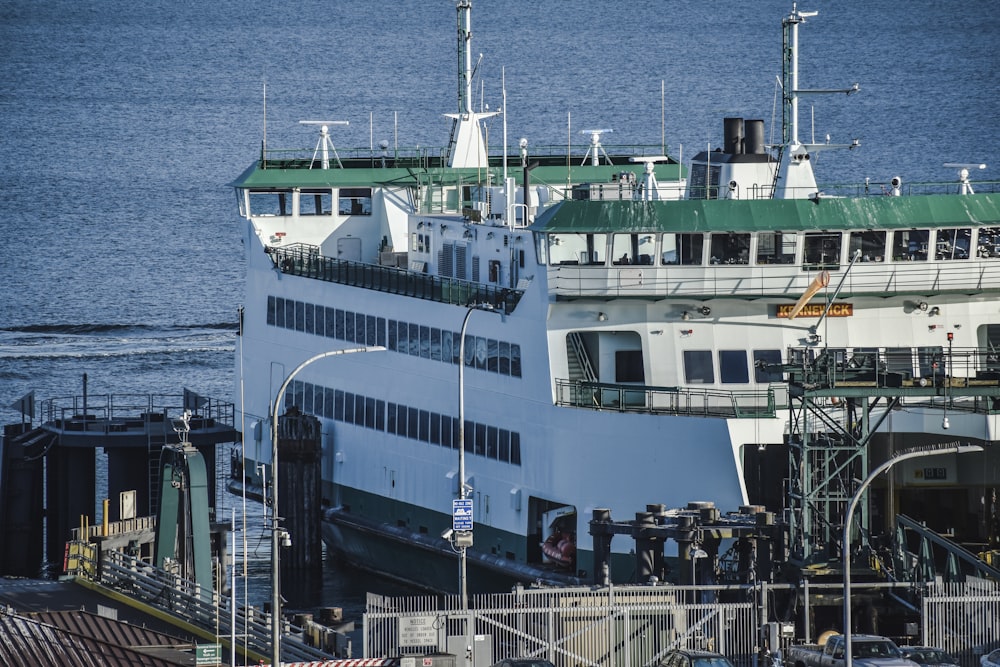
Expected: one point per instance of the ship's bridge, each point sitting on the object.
(703, 249)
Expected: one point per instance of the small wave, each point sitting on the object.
(99, 328)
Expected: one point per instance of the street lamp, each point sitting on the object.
(933, 450)
(277, 534)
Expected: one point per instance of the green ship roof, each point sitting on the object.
(785, 215)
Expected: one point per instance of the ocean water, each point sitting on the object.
(123, 123)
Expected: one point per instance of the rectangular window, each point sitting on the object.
(504, 354)
(436, 344)
(425, 342)
(775, 248)
(988, 244)
(349, 407)
(953, 244)
(402, 416)
(270, 310)
(289, 314)
(447, 433)
(425, 426)
(328, 403)
(492, 442)
(910, 245)
(435, 428)
(379, 415)
(492, 356)
(331, 322)
(307, 398)
(480, 445)
(683, 249)
(821, 251)
(310, 318)
(698, 367)
(390, 418)
(349, 319)
(730, 249)
(932, 362)
(279, 312)
(503, 450)
(870, 243)
(763, 358)
(316, 202)
(359, 410)
(515, 448)
(269, 203)
(413, 423)
(380, 331)
(338, 405)
(470, 436)
(733, 367)
(355, 201)
(899, 360)
(340, 324)
(414, 340)
(515, 360)
(370, 413)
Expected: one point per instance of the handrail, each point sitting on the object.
(305, 260)
(749, 404)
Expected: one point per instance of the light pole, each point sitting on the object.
(463, 539)
(277, 534)
(933, 450)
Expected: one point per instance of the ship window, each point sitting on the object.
(269, 203)
(504, 363)
(761, 358)
(370, 328)
(331, 317)
(270, 310)
(349, 320)
(379, 415)
(910, 245)
(492, 356)
(436, 344)
(316, 202)
(360, 322)
(380, 331)
(447, 347)
(492, 438)
(310, 318)
(821, 251)
(899, 360)
(515, 448)
(425, 426)
(480, 447)
(448, 431)
(328, 404)
(953, 244)
(390, 418)
(279, 312)
(414, 339)
(413, 423)
(355, 201)
(481, 354)
(683, 249)
(300, 316)
(503, 450)
(425, 342)
(870, 243)
(370, 412)
(628, 366)
(988, 244)
(321, 320)
(698, 367)
(577, 248)
(435, 428)
(468, 435)
(730, 249)
(338, 405)
(359, 410)
(733, 367)
(625, 249)
(339, 328)
(401, 416)
(775, 248)
(348, 407)
(306, 404)
(515, 360)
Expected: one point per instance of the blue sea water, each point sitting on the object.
(123, 122)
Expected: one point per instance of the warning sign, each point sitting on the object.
(418, 631)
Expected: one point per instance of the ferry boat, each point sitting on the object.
(561, 333)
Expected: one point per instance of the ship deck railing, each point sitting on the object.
(430, 157)
(306, 261)
(113, 412)
(745, 404)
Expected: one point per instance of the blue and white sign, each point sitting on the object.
(461, 514)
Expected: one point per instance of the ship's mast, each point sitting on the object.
(466, 148)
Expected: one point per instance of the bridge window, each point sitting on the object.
(761, 360)
(316, 202)
(953, 244)
(683, 249)
(910, 245)
(730, 249)
(989, 336)
(628, 366)
(775, 248)
(870, 243)
(989, 242)
(577, 248)
(355, 201)
(821, 251)
(270, 203)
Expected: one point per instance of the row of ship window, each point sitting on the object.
(812, 249)
(404, 421)
(488, 354)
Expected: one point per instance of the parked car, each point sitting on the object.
(928, 656)
(524, 662)
(866, 651)
(689, 658)
(991, 659)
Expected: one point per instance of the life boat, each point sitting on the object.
(560, 549)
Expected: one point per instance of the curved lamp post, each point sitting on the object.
(846, 551)
(277, 534)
